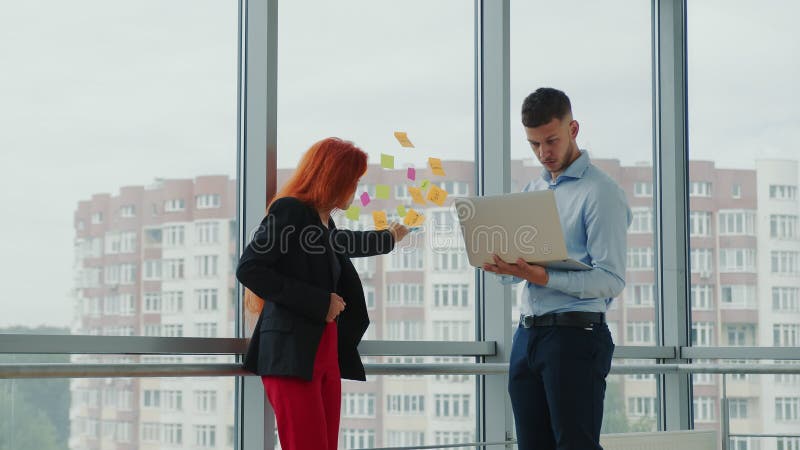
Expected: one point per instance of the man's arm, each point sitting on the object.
(607, 218)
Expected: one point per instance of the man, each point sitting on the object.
(562, 348)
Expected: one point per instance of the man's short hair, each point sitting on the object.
(544, 105)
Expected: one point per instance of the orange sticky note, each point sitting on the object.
(437, 195)
(413, 218)
(416, 195)
(379, 217)
(402, 138)
(436, 166)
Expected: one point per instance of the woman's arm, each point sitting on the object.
(357, 244)
(276, 238)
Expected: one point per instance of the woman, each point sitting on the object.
(314, 313)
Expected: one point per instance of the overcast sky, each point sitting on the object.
(101, 94)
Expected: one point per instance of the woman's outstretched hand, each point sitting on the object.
(399, 231)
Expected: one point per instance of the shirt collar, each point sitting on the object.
(574, 170)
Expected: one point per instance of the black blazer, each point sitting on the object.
(288, 265)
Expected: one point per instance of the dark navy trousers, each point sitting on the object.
(557, 383)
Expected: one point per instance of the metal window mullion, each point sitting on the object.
(493, 176)
(672, 205)
(257, 182)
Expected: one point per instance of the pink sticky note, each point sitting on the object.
(365, 199)
(412, 173)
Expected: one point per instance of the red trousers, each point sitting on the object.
(307, 412)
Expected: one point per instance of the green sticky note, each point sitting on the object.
(401, 211)
(387, 161)
(425, 184)
(382, 191)
(353, 212)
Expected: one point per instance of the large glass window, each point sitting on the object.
(744, 173)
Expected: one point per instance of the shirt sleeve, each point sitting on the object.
(607, 217)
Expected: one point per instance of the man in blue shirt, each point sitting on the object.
(562, 348)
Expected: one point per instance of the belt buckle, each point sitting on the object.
(526, 321)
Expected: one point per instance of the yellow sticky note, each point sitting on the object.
(353, 212)
(382, 191)
(437, 195)
(402, 138)
(387, 161)
(401, 211)
(424, 185)
(436, 166)
(379, 217)
(416, 194)
(413, 218)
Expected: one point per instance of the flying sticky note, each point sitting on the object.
(379, 217)
(353, 212)
(416, 195)
(412, 173)
(382, 191)
(424, 185)
(387, 161)
(437, 195)
(413, 218)
(365, 199)
(402, 138)
(401, 211)
(436, 166)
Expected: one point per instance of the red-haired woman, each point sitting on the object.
(305, 340)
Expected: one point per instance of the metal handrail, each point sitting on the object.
(67, 370)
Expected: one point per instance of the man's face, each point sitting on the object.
(554, 143)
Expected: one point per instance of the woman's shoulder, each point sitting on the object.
(288, 204)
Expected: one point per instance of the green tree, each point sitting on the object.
(24, 427)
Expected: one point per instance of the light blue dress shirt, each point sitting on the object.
(594, 216)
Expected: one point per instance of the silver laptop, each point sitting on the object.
(522, 225)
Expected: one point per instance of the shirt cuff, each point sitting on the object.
(508, 279)
(557, 279)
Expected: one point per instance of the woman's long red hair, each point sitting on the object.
(326, 177)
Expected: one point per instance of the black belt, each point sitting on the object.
(580, 319)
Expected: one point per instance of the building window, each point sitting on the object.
(172, 433)
(737, 260)
(699, 223)
(358, 405)
(407, 258)
(701, 261)
(702, 334)
(451, 295)
(174, 235)
(152, 269)
(787, 408)
(640, 295)
(97, 218)
(452, 330)
(642, 189)
(205, 436)
(401, 192)
(449, 260)
(405, 438)
(740, 335)
(174, 205)
(786, 335)
(738, 295)
(206, 329)
(369, 295)
(642, 220)
(405, 404)
(785, 262)
(405, 294)
(452, 437)
(455, 187)
(701, 296)
(207, 232)
(640, 258)
(704, 409)
(452, 405)
(206, 265)
(736, 191)
(737, 222)
(782, 192)
(640, 333)
(408, 330)
(699, 189)
(207, 201)
(173, 269)
(788, 443)
(783, 226)
(206, 299)
(786, 299)
(127, 211)
(357, 438)
(642, 407)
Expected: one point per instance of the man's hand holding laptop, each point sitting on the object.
(534, 273)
